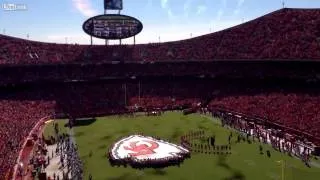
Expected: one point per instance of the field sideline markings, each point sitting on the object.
(213, 119)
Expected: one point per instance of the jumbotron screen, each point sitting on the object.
(113, 4)
(112, 26)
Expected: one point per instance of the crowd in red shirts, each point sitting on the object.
(298, 111)
(282, 34)
(16, 120)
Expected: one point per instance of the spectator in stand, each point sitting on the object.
(16, 121)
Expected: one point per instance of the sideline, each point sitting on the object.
(313, 163)
(208, 116)
(35, 130)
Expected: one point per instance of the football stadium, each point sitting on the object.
(237, 103)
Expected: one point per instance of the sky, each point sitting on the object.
(60, 21)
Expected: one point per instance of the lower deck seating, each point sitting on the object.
(16, 121)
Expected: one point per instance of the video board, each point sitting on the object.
(112, 26)
(113, 4)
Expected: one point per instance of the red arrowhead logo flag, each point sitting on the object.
(145, 147)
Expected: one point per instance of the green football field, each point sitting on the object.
(245, 162)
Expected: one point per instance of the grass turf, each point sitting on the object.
(245, 162)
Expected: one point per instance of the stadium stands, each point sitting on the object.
(287, 34)
(88, 99)
(16, 121)
(298, 111)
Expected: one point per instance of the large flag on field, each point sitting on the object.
(113, 4)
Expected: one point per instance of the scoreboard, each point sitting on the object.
(112, 26)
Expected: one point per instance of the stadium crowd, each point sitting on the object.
(16, 121)
(298, 111)
(280, 139)
(283, 34)
(83, 99)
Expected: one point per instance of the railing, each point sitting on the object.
(34, 130)
(262, 120)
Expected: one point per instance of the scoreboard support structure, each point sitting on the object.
(91, 39)
(119, 14)
(107, 41)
